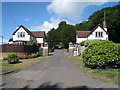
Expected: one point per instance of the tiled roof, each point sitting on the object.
(24, 29)
(82, 34)
(38, 34)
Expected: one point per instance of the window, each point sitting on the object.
(99, 34)
(21, 34)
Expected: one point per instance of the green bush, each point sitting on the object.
(51, 50)
(88, 42)
(38, 54)
(32, 43)
(12, 55)
(25, 57)
(82, 43)
(13, 60)
(5, 58)
(101, 54)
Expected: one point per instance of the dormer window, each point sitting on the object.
(99, 34)
(21, 34)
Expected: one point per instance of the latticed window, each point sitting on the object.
(99, 34)
(21, 34)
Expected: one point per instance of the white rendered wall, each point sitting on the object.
(99, 29)
(40, 40)
(78, 40)
(93, 36)
(16, 38)
(26, 38)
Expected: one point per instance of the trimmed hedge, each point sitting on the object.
(88, 42)
(102, 54)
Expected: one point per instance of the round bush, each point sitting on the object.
(88, 42)
(12, 55)
(82, 43)
(101, 54)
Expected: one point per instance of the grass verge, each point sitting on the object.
(106, 75)
(24, 63)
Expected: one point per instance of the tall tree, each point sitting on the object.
(52, 38)
(112, 20)
(64, 34)
(68, 35)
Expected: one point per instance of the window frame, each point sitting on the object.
(21, 34)
(99, 34)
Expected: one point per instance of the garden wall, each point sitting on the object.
(21, 50)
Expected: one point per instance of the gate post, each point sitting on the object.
(71, 52)
(45, 49)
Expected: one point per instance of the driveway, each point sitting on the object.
(56, 72)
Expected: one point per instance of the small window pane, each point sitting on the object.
(96, 34)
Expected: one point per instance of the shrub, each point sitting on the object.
(5, 58)
(12, 58)
(24, 57)
(101, 54)
(82, 43)
(51, 50)
(32, 43)
(38, 54)
(88, 42)
(12, 55)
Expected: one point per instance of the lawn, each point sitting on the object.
(106, 75)
(24, 63)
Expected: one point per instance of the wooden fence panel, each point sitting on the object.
(19, 48)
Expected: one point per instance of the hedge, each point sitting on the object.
(102, 54)
(88, 42)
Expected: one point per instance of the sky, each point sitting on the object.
(43, 16)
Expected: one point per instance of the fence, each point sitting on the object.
(19, 48)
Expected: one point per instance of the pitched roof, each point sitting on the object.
(83, 34)
(38, 34)
(24, 29)
(101, 27)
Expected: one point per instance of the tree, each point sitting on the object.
(11, 39)
(112, 19)
(68, 35)
(52, 38)
(32, 43)
(64, 34)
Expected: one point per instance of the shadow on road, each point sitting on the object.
(58, 86)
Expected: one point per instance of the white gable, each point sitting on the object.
(26, 38)
(98, 29)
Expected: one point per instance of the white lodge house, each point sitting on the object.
(22, 36)
(98, 32)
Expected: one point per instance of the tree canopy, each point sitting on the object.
(64, 34)
(112, 17)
